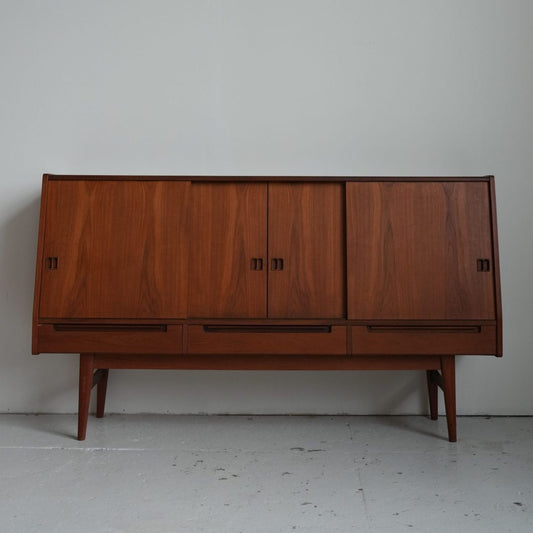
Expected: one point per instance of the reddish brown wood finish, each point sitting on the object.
(262, 340)
(433, 393)
(496, 270)
(264, 178)
(225, 361)
(121, 252)
(446, 381)
(306, 231)
(435, 339)
(88, 362)
(39, 268)
(84, 390)
(448, 387)
(228, 229)
(122, 246)
(76, 338)
(101, 390)
(413, 251)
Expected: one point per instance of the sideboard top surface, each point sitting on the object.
(260, 178)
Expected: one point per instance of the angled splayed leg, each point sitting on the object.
(84, 391)
(448, 386)
(100, 377)
(445, 379)
(433, 393)
(88, 379)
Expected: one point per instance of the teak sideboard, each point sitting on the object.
(267, 273)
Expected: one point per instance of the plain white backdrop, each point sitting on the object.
(265, 87)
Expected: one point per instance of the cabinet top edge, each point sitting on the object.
(259, 178)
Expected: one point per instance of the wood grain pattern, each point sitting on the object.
(201, 341)
(113, 262)
(268, 362)
(108, 340)
(413, 250)
(433, 340)
(122, 251)
(306, 229)
(228, 230)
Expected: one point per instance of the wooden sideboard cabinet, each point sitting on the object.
(267, 273)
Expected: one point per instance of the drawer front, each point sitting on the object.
(424, 340)
(326, 340)
(104, 338)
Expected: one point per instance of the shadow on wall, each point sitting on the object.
(28, 383)
(18, 249)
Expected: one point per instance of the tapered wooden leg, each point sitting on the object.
(433, 393)
(448, 386)
(101, 389)
(85, 386)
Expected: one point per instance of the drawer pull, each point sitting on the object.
(424, 329)
(110, 327)
(267, 329)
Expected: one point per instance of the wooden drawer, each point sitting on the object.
(110, 338)
(424, 340)
(327, 340)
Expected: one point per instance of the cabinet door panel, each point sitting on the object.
(115, 249)
(306, 230)
(228, 231)
(413, 250)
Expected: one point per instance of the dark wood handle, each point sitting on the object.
(51, 263)
(110, 327)
(267, 329)
(256, 263)
(276, 263)
(483, 265)
(422, 329)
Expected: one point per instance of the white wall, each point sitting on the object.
(265, 87)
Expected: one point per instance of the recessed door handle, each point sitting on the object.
(276, 263)
(256, 263)
(51, 263)
(483, 265)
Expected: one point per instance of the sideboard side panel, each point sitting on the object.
(38, 267)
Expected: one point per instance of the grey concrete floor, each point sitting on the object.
(263, 474)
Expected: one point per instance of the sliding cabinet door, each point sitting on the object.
(115, 249)
(306, 243)
(228, 250)
(419, 250)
